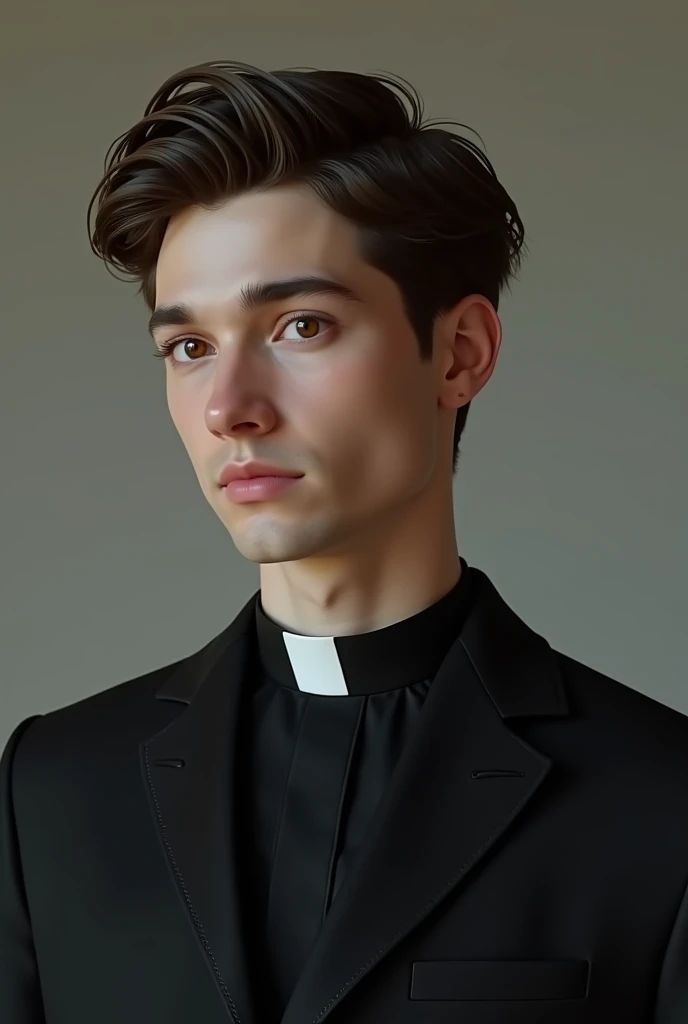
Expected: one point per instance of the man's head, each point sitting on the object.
(256, 178)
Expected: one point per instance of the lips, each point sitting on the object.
(250, 470)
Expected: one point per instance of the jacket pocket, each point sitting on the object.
(499, 979)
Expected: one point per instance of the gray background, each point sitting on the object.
(571, 493)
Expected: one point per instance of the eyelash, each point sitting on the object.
(166, 348)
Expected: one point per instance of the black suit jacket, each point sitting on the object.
(528, 864)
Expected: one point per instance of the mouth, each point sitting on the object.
(258, 488)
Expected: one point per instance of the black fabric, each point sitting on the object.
(534, 824)
(317, 767)
(384, 659)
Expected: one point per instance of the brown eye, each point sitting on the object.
(179, 351)
(189, 347)
(306, 327)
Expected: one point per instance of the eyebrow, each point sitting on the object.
(254, 295)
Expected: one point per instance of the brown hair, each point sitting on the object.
(430, 210)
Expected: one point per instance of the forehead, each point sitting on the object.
(272, 234)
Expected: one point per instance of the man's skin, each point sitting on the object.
(367, 536)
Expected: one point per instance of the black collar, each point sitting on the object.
(404, 653)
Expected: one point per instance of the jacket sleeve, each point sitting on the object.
(20, 990)
(672, 995)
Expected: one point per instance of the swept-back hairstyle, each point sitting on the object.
(430, 211)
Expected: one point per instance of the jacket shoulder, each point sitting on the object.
(125, 695)
(616, 706)
(114, 715)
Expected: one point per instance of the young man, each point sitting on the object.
(377, 796)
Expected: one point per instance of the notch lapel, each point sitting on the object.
(187, 770)
(459, 786)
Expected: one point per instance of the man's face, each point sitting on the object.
(339, 393)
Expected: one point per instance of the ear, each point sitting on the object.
(467, 343)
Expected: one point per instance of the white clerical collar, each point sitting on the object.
(315, 664)
(401, 654)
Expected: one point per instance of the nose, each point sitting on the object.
(227, 417)
(239, 403)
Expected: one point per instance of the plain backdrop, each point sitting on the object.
(571, 492)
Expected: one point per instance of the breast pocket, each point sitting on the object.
(499, 979)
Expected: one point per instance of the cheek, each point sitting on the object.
(339, 406)
(184, 413)
(388, 394)
(373, 417)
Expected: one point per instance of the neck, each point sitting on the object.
(390, 575)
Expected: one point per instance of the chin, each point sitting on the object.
(268, 546)
(265, 540)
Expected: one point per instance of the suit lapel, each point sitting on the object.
(187, 768)
(460, 785)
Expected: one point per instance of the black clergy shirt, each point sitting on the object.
(324, 722)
